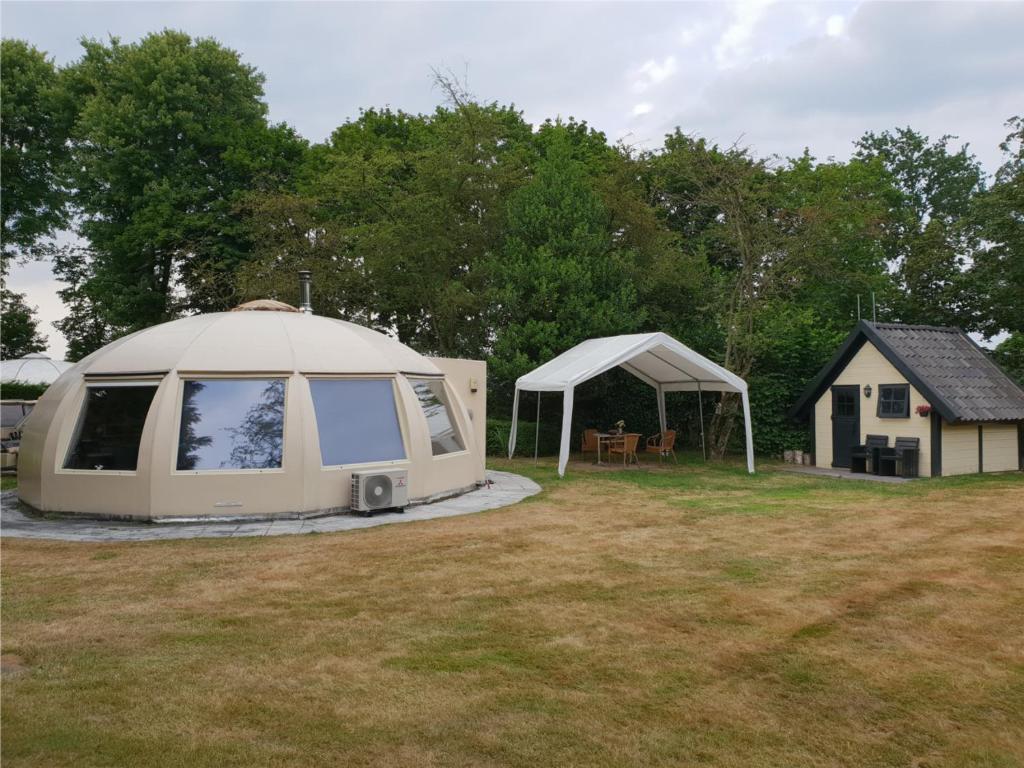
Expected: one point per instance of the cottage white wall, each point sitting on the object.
(959, 448)
(869, 366)
(1000, 447)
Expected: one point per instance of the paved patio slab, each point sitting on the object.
(844, 474)
(503, 489)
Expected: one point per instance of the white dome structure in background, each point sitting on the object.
(35, 368)
(250, 413)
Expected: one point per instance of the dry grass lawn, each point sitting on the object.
(692, 616)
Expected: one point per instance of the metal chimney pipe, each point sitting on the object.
(305, 291)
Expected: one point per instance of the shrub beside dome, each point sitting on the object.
(249, 413)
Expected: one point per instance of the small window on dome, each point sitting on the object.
(357, 421)
(231, 424)
(110, 427)
(444, 435)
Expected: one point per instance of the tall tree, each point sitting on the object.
(995, 280)
(34, 122)
(1010, 355)
(726, 199)
(171, 132)
(931, 235)
(786, 250)
(19, 334)
(561, 277)
(396, 216)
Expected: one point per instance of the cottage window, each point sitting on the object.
(110, 427)
(894, 401)
(357, 421)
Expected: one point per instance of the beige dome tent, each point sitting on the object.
(258, 413)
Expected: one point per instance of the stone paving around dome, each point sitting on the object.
(503, 489)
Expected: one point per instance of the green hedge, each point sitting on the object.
(498, 431)
(21, 390)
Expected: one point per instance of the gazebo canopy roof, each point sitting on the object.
(655, 358)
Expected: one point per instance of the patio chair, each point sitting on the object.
(588, 444)
(902, 459)
(862, 457)
(627, 447)
(662, 444)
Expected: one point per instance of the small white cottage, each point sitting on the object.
(926, 383)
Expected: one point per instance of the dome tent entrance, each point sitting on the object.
(655, 358)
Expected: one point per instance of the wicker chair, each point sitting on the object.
(589, 442)
(662, 444)
(626, 445)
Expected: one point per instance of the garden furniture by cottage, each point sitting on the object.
(589, 442)
(901, 460)
(864, 458)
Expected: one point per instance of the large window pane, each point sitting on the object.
(356, 420)
(444, 436)
(110, 427)
(231, 424)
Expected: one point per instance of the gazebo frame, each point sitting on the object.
(657, 359)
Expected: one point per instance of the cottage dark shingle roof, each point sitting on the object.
(948, 368)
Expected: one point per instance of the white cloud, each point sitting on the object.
(691, 33)
(890, 67)
(642, 108)
(835, 25)
(653, 72)
(733, 46)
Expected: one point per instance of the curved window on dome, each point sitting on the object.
(110, 427)
(357, 421)
(231, 424)
(444, 434)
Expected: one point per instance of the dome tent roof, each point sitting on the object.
(33, 369)
(265, 342)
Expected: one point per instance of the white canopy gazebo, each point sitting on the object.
(654, 358)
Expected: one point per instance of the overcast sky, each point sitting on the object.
(776, 76)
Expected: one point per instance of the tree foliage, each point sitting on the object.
(19, 335)
(996, 278)
(397, 215)
(930, 234)
(560, 276)
(35, 119)
(169, 134)
(467, 231)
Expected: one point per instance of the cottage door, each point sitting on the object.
(845, 423)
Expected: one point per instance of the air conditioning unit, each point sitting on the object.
(379, 490)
